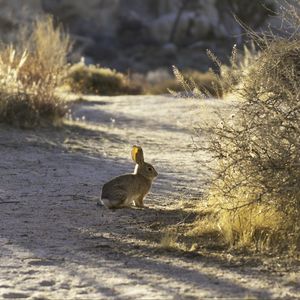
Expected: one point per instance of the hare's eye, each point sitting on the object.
(149, 169)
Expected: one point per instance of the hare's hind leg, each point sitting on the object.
(115, 200)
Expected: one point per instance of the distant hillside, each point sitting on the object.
(141, 35)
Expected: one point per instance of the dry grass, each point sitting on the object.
(293, 279)
(100, 81)
(189, 82)
(230, 79)
(255, 193)
(169, 241)
(30, 72)
(104, 81)
(256, 228)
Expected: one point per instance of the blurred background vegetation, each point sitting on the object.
(141, 36)
(140, 41)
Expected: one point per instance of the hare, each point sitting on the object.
(123, 190)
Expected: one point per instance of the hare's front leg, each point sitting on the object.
(139, 202)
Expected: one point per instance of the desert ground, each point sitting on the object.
(56, 243)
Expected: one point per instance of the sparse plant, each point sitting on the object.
(293, 279)
(188, 82)
(232, 77)
(196, 84)
(229, 80)
(168, 241)
(30, 72)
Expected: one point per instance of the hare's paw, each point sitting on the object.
(139, 202)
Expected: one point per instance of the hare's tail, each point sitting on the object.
(108, 203)
(105, 202)
(99, 203)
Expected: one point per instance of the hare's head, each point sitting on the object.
(142, 167)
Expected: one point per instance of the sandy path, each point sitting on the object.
(57, 244)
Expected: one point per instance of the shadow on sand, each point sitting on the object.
(48, 207)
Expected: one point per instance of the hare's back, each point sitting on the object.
(123, 183)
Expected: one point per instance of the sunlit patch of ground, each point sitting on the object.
(57, 243)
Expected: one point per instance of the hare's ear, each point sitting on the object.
(137, 154)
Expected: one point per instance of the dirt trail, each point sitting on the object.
(57, 244)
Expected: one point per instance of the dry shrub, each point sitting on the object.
(232, 76)
(30, 72)
(104, 81)
(207, 82)
(100, 81)
(197, 84)
(210, 84)
(256, 191)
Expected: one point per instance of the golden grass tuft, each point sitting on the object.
(30, 72)
(169, 241)
(197, 84)
(240, 226)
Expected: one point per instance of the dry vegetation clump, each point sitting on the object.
(232, 77)
(189, 82)
(94, 79)
(254, 199)
(229, 81)
(97, 80)
(30, 72)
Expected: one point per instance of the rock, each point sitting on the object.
(201, 28)
(169, 49)
(91, 18)
(102, 51)
(122, 64)
(13, 16)
(149, 9)
(191, 27)
(229, 28)
(160, 29)
(132, 29)
(210, 12)
(200, 46)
